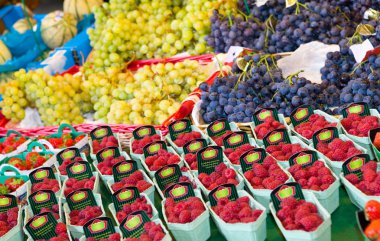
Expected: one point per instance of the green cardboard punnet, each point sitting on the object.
(292, 189)
(260, 115)
(178, 127)
(180, 191)
(123, 169)
(301, 114)
(153, 148)
(133, 225)
(142, 131)
(79, 170)
(276, 137)
(100, 132)
(99, 228)
(194, 145)
(123, 196)
(218, 128)
(208, 158)
(42, 226)
(256, 155)
(69, 153)
(107, 152)
(360, 108)
(223, 191)
(40, 174)
(167, 175)
(42, 199)
(303, 158)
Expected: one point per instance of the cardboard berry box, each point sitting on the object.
(197, 230)
(251, 231)
(39, 175)
(98, 134)
(19, 149)
(15, 233)
(7, 172)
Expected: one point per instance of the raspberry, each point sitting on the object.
(184, 211)
(60, 228)
(220, 167)
(369, 175)
(229, 173)
(311, 222)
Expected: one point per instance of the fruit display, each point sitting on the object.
(73, 184)
(299, 215)
(267, 175)
(184, 138)
(151, 231)
(139, 204)
(13, 183)
(31, 160)
(269, 125)
(10, 143)
(338, 149)
(112, 237)
(162, 158)
(8, 220)
(219, 139)
(107, 141)
(315, 122)
(238, 211)
(358, 125)
(46, 184)
(221, 175)
(105, 167)
(80, 217)
(135, 179)
(316, 177)
(63, 167)
(185, 211)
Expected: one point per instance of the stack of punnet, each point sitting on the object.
(13, 143)
(44, 178)
(181, 132)
(128, 200)
(335, 148)
(190, 150)
(360, 178)
(66, 157)
(299, 215)
(281, 146)
(357, 121)
(186, 213)
(168, 175)
(262, 174)
(213, 170)
(266, 120)
(314, 175)
(236, 214)
(219, 129)
(100, 228)
(142, 136)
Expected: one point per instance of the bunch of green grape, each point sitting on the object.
(156, 92)
(58, 99)
(128, 29)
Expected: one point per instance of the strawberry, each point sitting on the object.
(372, 231)
(376, 141)
(13, 183)
(372, 210)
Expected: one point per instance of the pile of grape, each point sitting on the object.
(58, 99)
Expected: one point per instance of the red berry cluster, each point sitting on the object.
(8, 220)
(54, 210)
(184, 211)
(11, 143)
(267, 126)
(283, 151)
(369, 183)
(152, 232)
(61, 232)
(108, 141)
(65, 163)
(267, 175)
(238, 211)
(191, 160)
(136, 179)
(112, 237)
(81, 217)
(66, 140)
(338, 150)
(234, 155)
(162, 158)
(181, 179)
(46, 184)
(359, 125)
(184, 138)
(316, 177)
(221, 175)
(315, 123)
(73, 184)
(138, 145)
(299, 215)
(219, 139)
(139, 204)
(105, 167)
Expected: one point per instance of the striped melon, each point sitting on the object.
(22, 25)
(57, 28)
(5, 54)
(80, 7)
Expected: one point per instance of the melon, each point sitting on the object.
(57, 28)
(5, 54)
(22, 25)
(79, 8)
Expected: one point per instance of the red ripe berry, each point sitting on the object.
(338, 150)
(269, 125)
(315, 123)
(184, 211)
(162, 158)
(73, 184)
(80, 217)
(136, 179)
(219, 139)
(108, 141)
(284, 151)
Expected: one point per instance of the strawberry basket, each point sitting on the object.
(44, 178)
(28, 160)
(13, 143)
(102, 137)
(196, 230)
(16, 182)
(43, 201)
(253, 230)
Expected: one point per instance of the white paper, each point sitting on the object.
(360, 50)
(55, 63)
(32, 119)
(233, 53)
(308, 57)
(260, 3)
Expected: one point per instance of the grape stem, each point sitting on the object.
(298, 5)
(220, 65)
(290, 77)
